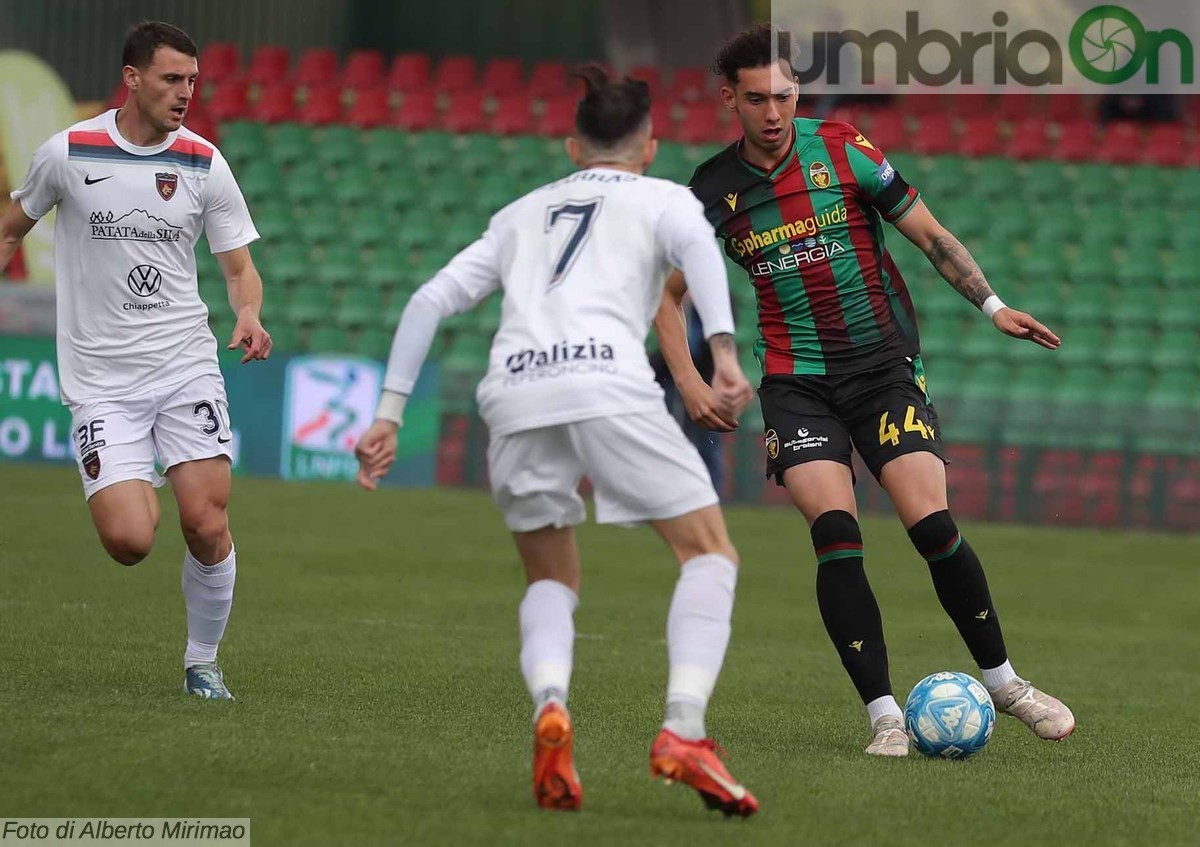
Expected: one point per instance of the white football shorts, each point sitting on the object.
(121, 439)
(641, 466)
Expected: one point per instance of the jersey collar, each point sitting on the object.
(110, 124)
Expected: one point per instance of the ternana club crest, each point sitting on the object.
(166, 184)
(819, 174)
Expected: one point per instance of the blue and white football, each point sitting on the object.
(949, 715)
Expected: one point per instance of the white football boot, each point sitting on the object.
(890, 738)
(1048, 717)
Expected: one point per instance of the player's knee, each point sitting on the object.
(836, 533)
(708, 539)
(205, 527)
(128, 546)
(934, 535)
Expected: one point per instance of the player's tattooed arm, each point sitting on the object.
(951, 259)
(722, 344)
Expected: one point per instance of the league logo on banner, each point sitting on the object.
(329, 401)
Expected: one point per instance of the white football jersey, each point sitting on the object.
(582, 262)
(130, 317)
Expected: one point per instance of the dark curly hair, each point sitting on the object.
(610, 111)
(755, 48)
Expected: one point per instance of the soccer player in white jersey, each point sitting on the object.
(569, 393)
(137, 362)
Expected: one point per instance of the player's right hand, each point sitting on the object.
(376, 451)
(706, 407)
(732, 388)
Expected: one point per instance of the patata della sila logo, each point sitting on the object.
(1108, 45)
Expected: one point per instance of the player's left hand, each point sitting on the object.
(376, 451)
(1020, 325)
(249, 333)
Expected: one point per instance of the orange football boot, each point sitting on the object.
(696, 763)
(555, 780)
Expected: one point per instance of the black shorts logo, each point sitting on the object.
(772, 444)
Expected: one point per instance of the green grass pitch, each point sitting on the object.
(373, 650)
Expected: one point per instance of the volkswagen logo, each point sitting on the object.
(144, 280)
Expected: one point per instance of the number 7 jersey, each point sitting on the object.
(581, 262)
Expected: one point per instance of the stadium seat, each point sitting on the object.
(1065, 108)
(289, 143)
(981, 136)
(1177, 349)
(373, 343)
(230, 100)
(243, 141)
(1076, 141)
(322, 105)
(329, 339)
(1017, 106)
(454, 74)
(371, 109)
(1129, 347)
(368, 227)
(888, 130)
(548, 80)
(650, 75)
(311, 303)
(410, 72)
(503, 77)
(1029, 140)
(1166, 145)
(269, 65)
(689, 84)
(513, 115)
(316, 66)
(274, 223)
(1120, 143)
(418, 111)
(558, 119)
(336, 146)
(340, 266)
(276, 103)
(364, 70)
(465, 112)
(934, 135)
(219, 61)
(361, 306)
(700, 123)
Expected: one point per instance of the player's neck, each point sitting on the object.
(768, 160)
(614, 166)
(135, 129)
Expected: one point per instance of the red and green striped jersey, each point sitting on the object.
(810, 235)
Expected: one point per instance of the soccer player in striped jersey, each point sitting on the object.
(137, 362)
(800, 205)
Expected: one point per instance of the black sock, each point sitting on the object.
(961, 587)
(848, 605)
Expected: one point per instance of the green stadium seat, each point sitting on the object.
(1135, 307)
(286, 264)
(361, 307)
(984, 343)
(994, 179)
(368, 226)
(1181, 274)
(1083, 344)
(386, 149)
(1011, 220)
(388, 268)
(337, 146)
(1093, 186)
(1177, 348)
(354, 188)
(1129, 346)
(1180, 309)
(285, 336)
(1139, 275)
(260, 182)
(329, 339)
(243, 141)
(432, 152)
(274, 223)
(320, 226)
(304, 187)
(398, 191)
(1091, 273)
(1184, 188)
(311, 303)
(374, 343)
(1144, 188)
(417, 232)
(1045, 182)
(340, 266)
(289, 144)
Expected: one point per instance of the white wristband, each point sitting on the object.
(391, 407)
(992, 305)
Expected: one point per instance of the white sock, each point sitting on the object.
(208, 594)
(698, 627)
(547, 640)
(883, 707)
(996, 678)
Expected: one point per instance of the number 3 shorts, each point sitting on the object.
(123, 438)
(883, 413)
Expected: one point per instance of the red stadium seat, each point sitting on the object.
(219, 61)
(1076, 141)
(923, 104)
(269, 64)
(689, 84)
(455, 73)
(364, 70)
(1065, 108)
(316, 66)
(1120, 143)
(502, 77)
(371, 108)
(650, 75)
(558, 119)
(276, 104)
(846, 115)
(888, 130)
(1029, 140)
(1166, 144)
(934, 135)
(465, 112)
(662, 118)
(229, 100)
(548, 80)
(409, 72)
(981, 137)
(322, 106)
(513, 115)
(418, 111)
(971, 105)
(701, 123)
(1018, 106)
(200, 122)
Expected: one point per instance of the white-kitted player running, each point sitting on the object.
(569, 393)
(137, 362)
